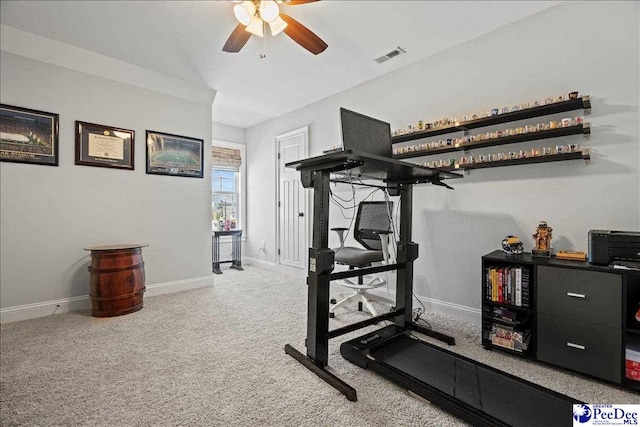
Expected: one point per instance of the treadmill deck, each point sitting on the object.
(480, 390)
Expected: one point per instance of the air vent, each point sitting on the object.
(396, 52)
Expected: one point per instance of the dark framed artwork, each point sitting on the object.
(176, 155)
(28, 136)
(104, 146)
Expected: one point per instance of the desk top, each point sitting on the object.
(372, 167)
(116, 247)
(227, 232)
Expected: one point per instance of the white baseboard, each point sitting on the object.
(469, 314)
(43, 309)
(178, 286)
(82, 302)
(279, 268)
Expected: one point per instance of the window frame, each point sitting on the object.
(241, 185)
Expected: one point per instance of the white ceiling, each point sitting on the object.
(184, 39)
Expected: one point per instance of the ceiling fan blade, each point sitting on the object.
(237, 39)
(296, 2)
(303, 36)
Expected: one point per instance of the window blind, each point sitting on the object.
(228, 158)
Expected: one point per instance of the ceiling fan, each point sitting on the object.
(254, 15)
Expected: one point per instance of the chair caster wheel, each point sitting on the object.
(359, 305)
(332, 315)
(332, 300)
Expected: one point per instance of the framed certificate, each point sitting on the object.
(28, 136)
(176, 155)
(104, 146)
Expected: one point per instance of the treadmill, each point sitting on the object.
(477, 393)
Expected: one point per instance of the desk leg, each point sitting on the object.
(321, 263)
(237, 252)
(404, 276)
(216, 254)
(407, 253)
(318, 275)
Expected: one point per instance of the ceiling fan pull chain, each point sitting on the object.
(263, 55)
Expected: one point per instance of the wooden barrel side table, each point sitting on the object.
(117, 281)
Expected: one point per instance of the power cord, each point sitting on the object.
(419, 312)
(254, 258)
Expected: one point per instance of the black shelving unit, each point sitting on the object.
(552, 314)
(582, 102)
(525, 315)
(584, 129)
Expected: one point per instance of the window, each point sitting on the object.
(227, 175)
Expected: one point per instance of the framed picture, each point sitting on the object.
(28, 136)
(104, 146)
(177, 155)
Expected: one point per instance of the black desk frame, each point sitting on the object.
(316, 174)
(236, 250)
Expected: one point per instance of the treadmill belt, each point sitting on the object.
(509, 399)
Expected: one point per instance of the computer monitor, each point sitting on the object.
(365, 134)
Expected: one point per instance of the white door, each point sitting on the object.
(292, 200)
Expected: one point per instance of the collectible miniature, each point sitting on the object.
(542, 238)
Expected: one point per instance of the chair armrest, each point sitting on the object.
(384, 240)
(340, 231)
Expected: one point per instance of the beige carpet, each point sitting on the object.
(214, 357)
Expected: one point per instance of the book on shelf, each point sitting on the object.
(504, 314)
(508, 285)
(525, 287)
(509, 337)
(500, 285)
(519, 286)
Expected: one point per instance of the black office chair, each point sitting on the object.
(372, 230)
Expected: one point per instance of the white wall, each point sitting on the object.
(587, 46)
(49, 214)
(223, 132)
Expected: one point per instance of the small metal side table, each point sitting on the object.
(236, 248)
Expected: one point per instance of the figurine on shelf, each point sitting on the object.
(543, 238)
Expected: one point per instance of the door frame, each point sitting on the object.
(304, 131)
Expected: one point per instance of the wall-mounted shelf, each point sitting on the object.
(584, 129)
(584, 155)
(582, 102)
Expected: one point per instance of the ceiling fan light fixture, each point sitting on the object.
(244, 12)
(256, 26)
(277, 26)
(269, 10)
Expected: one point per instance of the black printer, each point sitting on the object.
(606, 246)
